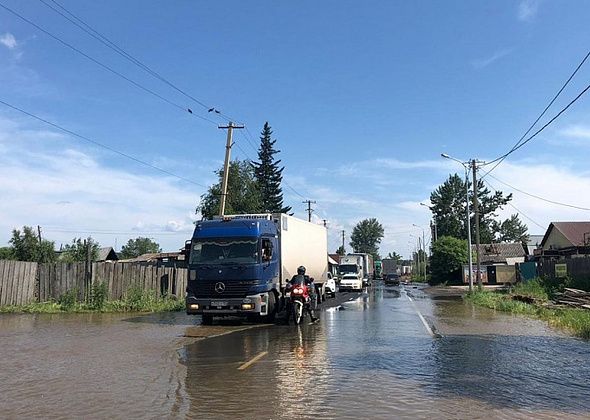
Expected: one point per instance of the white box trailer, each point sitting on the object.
(368, 265)
(302, 243)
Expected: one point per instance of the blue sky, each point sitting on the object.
(362, 97)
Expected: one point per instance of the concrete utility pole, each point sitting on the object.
(469, 230)
(342, 239)
(309, 209)
(228, 146)
(476, 210)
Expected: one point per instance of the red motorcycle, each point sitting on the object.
(298, 299)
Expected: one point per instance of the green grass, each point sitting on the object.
(137, 300)
(577, 321)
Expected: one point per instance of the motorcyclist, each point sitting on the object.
(311, 287)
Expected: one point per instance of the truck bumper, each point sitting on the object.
(250, 305)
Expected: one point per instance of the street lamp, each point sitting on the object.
(423, 248)
(433, 223)
(466, 167)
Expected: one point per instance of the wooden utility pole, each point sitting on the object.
(342, 240)
(309, 209)
(476, 210)
(228, 146)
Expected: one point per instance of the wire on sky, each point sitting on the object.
(104, 146)
(499, 160)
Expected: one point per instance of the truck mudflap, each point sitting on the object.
(250, 305)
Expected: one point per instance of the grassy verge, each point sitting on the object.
(576, 321)
(137, 300)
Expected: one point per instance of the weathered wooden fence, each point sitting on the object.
(22, 283)
(17, 282)
(576, 268)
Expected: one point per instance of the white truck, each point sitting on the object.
(368, 266)
(351, 272)
(239, 265)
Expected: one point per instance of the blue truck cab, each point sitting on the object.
(233, 268)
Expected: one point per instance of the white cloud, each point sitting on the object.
(9, 41)
(481, 63)
(527, 10)
(72, 193)
(576, 131)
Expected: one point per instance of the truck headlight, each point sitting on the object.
(193, 306)
(247, 306)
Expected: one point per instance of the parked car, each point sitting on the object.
(330, 286)
(392, 279)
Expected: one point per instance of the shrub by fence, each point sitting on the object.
(22, 283)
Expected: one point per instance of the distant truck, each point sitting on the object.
(351, 264)
(368, 266)
(239, 265)
(389, 266)
(378, 270)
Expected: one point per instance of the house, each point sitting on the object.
(107, 254)
(500, 254)
(565, 240)
(159, 258)
(333, 261)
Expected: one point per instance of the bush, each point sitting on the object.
(98, 296)
(69, 299)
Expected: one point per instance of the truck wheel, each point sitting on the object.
(272, 308)
(207, 319)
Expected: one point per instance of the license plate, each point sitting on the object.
(218, 303)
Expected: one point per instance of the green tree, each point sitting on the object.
(6, 253)
(449, 210)
(78, 250)
(269, 175)
(395, 256)
(366, 237)
(25, 246)
(513, 230)
(341, 250)
(243, 196)
(448, 256)
(139, 246)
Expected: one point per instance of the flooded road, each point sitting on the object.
(372, 357)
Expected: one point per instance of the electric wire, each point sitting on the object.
(540, 198)
(111, 231)
(84, 26)
(96, 143)
(542, 113)
(514, 207)
(543, 127)
(106, 67)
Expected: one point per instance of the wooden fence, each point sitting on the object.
(17, 282)
(22, 283)
(576, 268)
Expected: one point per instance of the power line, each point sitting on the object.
(542, 113)
(106, 67)
(112, 232)
(540, 198)
(84, 26)
(89, 140)
(515, 208)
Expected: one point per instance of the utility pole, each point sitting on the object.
(40, 247)
(228, 146)
(476, 210)
(342, 240)
(309, 209)
(325, 222)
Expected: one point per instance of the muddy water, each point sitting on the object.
(371, 358)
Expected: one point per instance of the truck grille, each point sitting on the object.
(232, 289)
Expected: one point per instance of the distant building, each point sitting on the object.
(533, 243)
(500, 254)
(158, 258)
(107, 254)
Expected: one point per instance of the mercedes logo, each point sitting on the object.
(219, 287)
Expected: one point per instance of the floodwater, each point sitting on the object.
(372, 357)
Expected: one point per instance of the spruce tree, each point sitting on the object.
(269, 175)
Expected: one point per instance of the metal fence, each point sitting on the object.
(22, 283)
(575, 268)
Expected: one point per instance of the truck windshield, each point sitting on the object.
(348, 268)
(224, 251)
